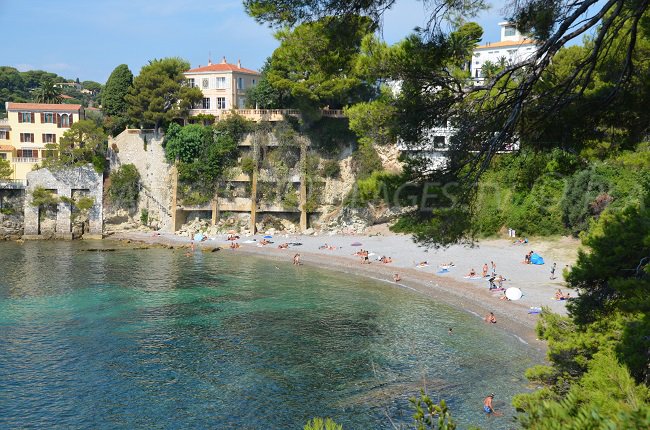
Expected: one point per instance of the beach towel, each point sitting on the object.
(536, 259)
(441, 271)
(473, 278)
(534, 310)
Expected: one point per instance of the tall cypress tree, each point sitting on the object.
(117, 86)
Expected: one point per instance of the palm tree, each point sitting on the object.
(48, 93)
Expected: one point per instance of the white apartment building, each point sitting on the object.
(223, 85)
(511, 49)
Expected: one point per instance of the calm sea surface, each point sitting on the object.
(154, 339)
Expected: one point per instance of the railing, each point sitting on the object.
(13, 183)
(4, 121)
(266, 114)
(26, 160)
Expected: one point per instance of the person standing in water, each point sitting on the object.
(487, 405)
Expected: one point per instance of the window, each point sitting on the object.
(221, 103)
(27, 153)
(49, 138)
(254, 82)
(25, 117)
(47, 118)
(27, 137)
(510, 31)
(206, 102)
(439, 142)
(4, 135)
(3, 156)
(240, 83)
(65, 120)
(221, 82)
(190, 83)
(205, 83)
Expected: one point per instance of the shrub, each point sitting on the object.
(581, 193)
(144, 216)
(125, 187)
(366, 161)
(290, 199)
(331, 169)
(247, 165)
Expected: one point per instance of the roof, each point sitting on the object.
(5, 148)
(222, 67)
(506, 44)
(42, 107)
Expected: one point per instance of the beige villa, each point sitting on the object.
(223, 85)
(31, 126)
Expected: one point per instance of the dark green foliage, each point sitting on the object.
(144, 216)
(125, 187)
(322, 424)
(331, 168)
(580, 201)
(186, 143)
(17, 86)
(315, 62)
(159, 94)
(599, 372)
(44, 198)
(84, 143)
(366, 161)
(429, 415)
(204, 154)
(114, 104)
(47, 92)
(329, 135)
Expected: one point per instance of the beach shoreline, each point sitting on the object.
(451, 288)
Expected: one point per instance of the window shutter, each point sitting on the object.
(70, 123)
(7, 135)
(42, 118)
(19, 153)
(43, 137)
(20, 117)
(58, 120)
(22, 137)
(33, 117)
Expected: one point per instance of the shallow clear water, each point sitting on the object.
(155, 339)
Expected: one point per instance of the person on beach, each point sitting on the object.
(487, 405)
(283, 246)
(553, 271)
(422, 264)
(490, 318)
(471, 273)
(296, 260)
(386, 260)
(494, 268)
(396, 277)
(192, 245)
(485, 270)
(234, 245)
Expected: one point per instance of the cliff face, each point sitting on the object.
(11, 214)
(278, 187)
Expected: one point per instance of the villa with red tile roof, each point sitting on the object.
(31, 126)
(223, 85)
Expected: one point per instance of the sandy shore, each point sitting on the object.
(471, 295)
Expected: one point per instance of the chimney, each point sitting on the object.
(223, 60)
(239, 64)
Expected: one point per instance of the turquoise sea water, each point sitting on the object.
(154, 339)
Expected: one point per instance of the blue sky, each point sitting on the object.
(88, 39)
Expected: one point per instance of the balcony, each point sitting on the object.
(13, 184)
(26, 160)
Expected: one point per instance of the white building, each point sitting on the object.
(511, 49)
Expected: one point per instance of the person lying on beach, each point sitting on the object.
(422, 264)
(283, 246)
(396, 277)
(490, 318)
(264, 242)
(559, 295)
(232, 237)
(472, 273)
(325, 246)
(386, 260)
(520, 241)
(446, 265)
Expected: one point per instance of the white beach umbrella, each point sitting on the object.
(513, 293)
